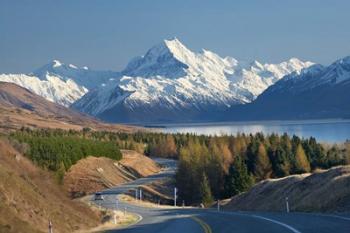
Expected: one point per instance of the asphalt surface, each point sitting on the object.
(185, 220)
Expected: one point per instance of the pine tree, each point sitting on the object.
(280, 162)
(238, 179)
(252, 151)
(205, 192)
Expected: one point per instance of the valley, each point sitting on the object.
(172, 84)
(174, 116)
(208, 168)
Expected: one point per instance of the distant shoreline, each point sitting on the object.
(264, 122)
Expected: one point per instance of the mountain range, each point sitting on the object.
(171, 83)
(315, 92)
(60, 83)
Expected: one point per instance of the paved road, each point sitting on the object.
(168, 171)
(210, 221)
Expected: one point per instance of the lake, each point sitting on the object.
(332, 131)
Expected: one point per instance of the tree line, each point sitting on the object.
(209, 167)
(57, 151)
(228, 165)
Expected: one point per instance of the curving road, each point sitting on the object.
(160, 220)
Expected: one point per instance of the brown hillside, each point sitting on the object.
(95, 174)
(322, 191)
(20, 107)
(29, 197)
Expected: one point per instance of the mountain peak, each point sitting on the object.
(56, 63)
(168, 58)
(342, 69)
(172, 47)
(345, 60)
(294, 60)
(175, 45)
(55, 66)
(173, 40)
(178, 49)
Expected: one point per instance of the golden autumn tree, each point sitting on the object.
(302, 163)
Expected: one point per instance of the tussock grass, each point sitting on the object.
(322, 191)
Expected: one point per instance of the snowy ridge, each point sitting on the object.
(314, 76)
(317, 92)
(53, 89)
(60, 83)
(81, 76)
(172, 78)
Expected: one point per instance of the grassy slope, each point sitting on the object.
(95, 174)
(29, 197)
(323, 191)
(20, 107)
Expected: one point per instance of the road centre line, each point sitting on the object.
(203, 224)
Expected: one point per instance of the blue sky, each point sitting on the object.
(106, 34)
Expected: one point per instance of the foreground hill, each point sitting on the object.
(30, 197)
(319, 192)
(21, 107)
(95, 174)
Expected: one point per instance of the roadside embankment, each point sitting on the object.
(94, 174)
(322, 191)
(31, 196)
(111, 219)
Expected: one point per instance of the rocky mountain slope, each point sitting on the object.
(316, 92)
(20, 107)
(172, 83)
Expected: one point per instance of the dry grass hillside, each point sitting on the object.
(20, 107)
(94, 174)
(29, 197)
(322, 191)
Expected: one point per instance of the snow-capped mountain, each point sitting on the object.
(60, 83)
(313, 77)
(172, 83)
(315, 92)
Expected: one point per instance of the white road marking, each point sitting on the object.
(263, 218)
(277, 222)
(139, 220)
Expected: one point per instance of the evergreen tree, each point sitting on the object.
(252, 151)
(205, 192)
(280, 162)
(237, 180)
